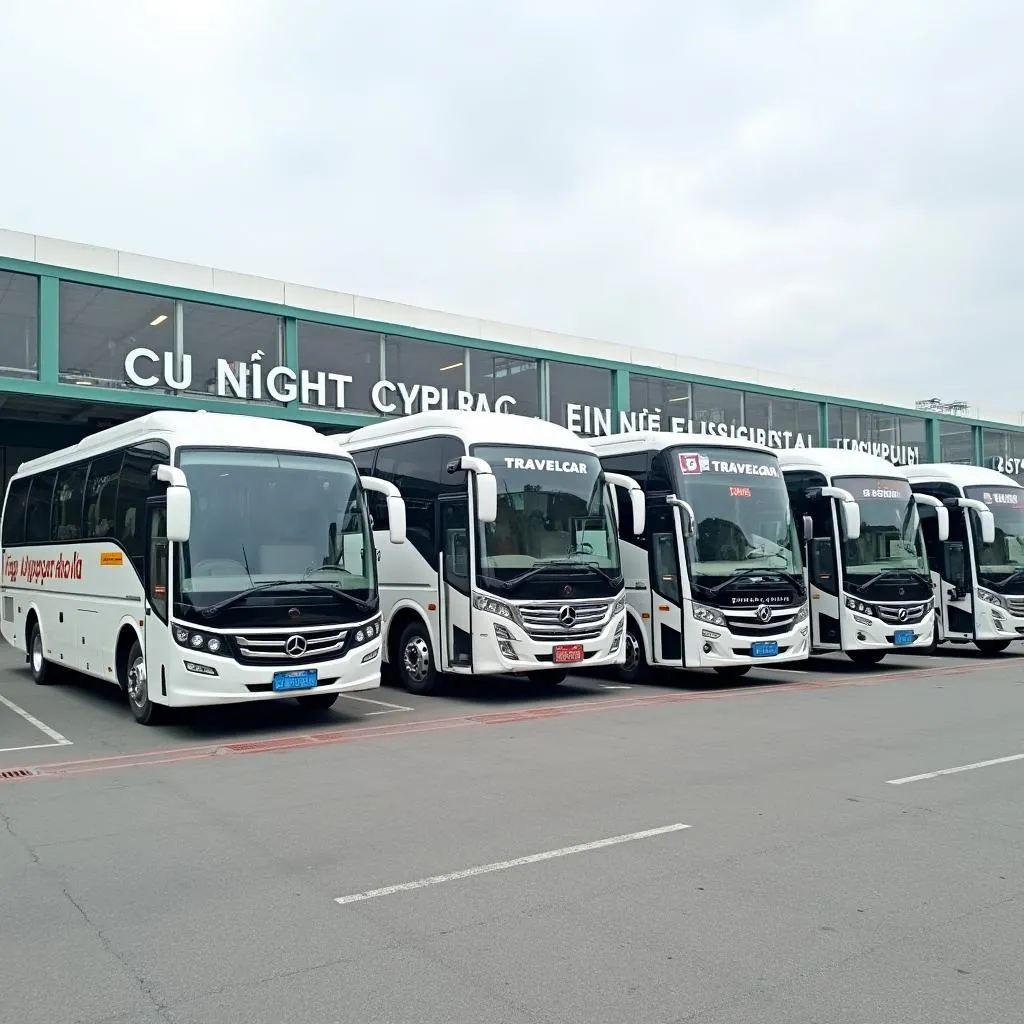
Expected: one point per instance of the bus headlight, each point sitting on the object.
(197, 639)
(364, 634)
(802, 613)
(990, 598)
(702, 613)
(483, 603)
(620, 604)
(860, 606)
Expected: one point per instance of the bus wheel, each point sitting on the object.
(43, 673)
(416, 660)
(550, 679)
(865, 657)
(733, 671)
(991, 646)
(636, 660)
(317, 701)
(137, 687)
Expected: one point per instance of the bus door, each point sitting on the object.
(955, 591)
(157, 639)
(664, 615)
(824, 579)
(455, 605)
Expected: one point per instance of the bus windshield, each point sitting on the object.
(263, 517)
(890, 532)
(553, 507)
(744, 520)
(999, 561)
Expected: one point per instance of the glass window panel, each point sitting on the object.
(325, 349)
(662, 397)
(914, 431)
(717, 405)
(494, 375)
(956, 442)
(212, 333)
(783, 418)
(415, 370)
(1004, 452)
(19, 325)
(580, 397)
(100, 326)
(842, 424)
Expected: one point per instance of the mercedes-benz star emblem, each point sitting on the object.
(567, 615)
(764, 613)
(902, 615)
(295, 646)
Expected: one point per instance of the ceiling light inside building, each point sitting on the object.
(158, 320)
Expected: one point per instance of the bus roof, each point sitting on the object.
(199, 428)
(833, 462)
(656, 440)
(470, 427)
(959, 476)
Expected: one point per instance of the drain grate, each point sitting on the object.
(10, 774)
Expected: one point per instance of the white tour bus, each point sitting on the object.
(196, 558)
(512, 564)
(715, 578)
(872, 594)
(979, 571)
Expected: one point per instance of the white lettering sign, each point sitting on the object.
(1011, 467)
(547, 465)
(897, 454)
(251, 380)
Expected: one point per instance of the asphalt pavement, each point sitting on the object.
(501, 854)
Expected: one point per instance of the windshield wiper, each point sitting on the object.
(215, 609)
(744, 574)
(912, 573)
(1012, 578)
(556, 563)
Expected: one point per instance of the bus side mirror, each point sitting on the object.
(808, 529)
(396, 519)
(688, 516)
(639, 507)
(486, 497)
(179, 514)
(851, 519)
(988, 527)
(942, 515)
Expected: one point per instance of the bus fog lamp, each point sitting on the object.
(200, 670)
(507, 650)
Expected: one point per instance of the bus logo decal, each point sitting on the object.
(567, 616)
(764, 612)
(295, 646)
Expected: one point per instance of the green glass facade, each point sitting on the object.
(83, 349)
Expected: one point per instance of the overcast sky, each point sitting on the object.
(827, 188)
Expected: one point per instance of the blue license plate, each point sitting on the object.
(902, 637)
(304, 679)
(764, 649)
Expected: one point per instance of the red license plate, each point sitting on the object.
(565, 654)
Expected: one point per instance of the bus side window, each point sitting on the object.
(14, 512)
(136, 484)
(158, 561)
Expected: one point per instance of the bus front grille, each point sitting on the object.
(890, 613)
(561, 620)
(293, 647)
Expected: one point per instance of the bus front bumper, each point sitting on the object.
(867, 633)
(234, 683)
(719, 647)
(994, 622)
(501, 646)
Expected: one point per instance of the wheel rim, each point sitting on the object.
(632, 653)
(416, 659)
(137, 682)
(37, 653)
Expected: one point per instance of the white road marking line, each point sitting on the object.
(379, 703)
(954, 771)
(616, 687)
(370, 714)
(58, 740)
(31, 746)
(502, 865)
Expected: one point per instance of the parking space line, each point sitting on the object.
(379, 703)
(955, 771)
(504, 865)
(58, 739)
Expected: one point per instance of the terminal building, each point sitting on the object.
(90, 337)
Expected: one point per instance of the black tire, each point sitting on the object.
(417, 669)
(43, 672)
(136, 686)
(865, 657)
(732, 671)
(548, 679)
(989, 647)
(317, 701)
(635, 666)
